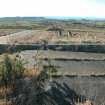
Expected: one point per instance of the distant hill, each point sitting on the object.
(45, 22)
(22, 18)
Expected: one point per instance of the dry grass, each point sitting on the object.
(3, 90)
(87, 102)
(31, 72)
(36, 36)
(4, 32)
(3, 102)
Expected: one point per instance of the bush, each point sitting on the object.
(11, 69)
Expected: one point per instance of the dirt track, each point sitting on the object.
(27, 36)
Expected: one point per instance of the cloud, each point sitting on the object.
(86, 8)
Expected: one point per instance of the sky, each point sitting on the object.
(65, 8)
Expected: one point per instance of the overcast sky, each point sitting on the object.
(80, 8)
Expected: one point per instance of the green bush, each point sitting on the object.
(10, 70)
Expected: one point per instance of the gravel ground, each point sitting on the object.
(90, 87)
(91, 63)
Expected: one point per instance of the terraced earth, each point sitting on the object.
(69, 63)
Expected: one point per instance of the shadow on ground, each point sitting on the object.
(56, 94)
(62, 95)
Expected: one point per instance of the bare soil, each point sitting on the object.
(21, 36)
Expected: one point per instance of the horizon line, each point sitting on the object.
(57, 17)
